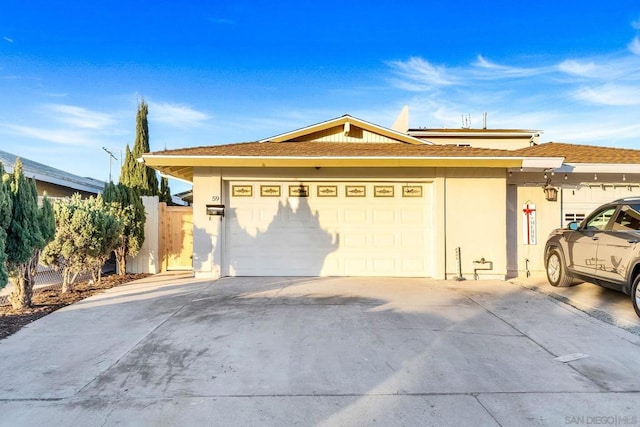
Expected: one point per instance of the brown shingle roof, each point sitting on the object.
(334, 149)
(574, 153)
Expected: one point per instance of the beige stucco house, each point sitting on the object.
(346, 197)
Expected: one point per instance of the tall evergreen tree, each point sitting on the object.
(165, 191)
(135, 174)
(126, 205)
(24, 236)
(5, 220)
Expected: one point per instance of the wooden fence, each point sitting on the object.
(168, 243)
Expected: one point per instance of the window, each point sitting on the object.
(600, 219)
(628, 219)
(570, 217)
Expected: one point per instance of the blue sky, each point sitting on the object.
(214, 72)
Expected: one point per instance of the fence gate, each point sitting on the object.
(176, 237)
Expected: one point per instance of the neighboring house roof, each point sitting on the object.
(51, 175)
(574, 153)
(470, 132)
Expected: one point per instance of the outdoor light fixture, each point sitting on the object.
(550, 192)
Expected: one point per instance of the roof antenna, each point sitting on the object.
(484, 120)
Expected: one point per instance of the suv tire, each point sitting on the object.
(635, 295)
(557, 270)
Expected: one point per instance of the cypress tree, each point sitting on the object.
(126, 205)
(5, 220)
(165, 191)
(24, 236)
(133, 173)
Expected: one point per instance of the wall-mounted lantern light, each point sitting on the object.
(550, 193)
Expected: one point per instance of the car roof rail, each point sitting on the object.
(627, 199)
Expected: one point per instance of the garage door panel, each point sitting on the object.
(342, 236)
(383, 240)
(354, 240)
(383, 216)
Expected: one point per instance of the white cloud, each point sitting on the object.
(8, 39)
(57, 136)
(636, 24)
(175, 115)
(80, 117)
(571, 66)
(497, 71)
(613, 95)
(634, 46)
(418, 74)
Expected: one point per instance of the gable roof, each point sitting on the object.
(51, 175)
(346, 122)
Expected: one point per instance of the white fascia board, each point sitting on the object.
(542, 162)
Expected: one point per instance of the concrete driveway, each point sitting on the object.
(334, 351)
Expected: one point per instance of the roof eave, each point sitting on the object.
(182, 166)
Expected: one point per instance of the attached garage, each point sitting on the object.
(349, 198)
(581, 200)
(334, 228)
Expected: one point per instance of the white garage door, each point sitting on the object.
(328, 229)
(577, 203)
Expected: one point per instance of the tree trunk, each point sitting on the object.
(32, 266)
(22, 292)
(68, 277)
(96, 275)
(121, 260)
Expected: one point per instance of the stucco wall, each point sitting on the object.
(207, 230)
(476, 221)
(548, 217)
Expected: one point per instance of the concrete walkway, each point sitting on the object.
(335, 351)
(605, 304)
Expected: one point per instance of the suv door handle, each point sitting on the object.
(632, 241)
(595, 238)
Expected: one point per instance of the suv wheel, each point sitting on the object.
(635, 295)
(556, 270)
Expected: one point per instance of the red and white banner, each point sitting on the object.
(529, 224)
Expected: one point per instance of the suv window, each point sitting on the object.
(628, 218)
(600, 219)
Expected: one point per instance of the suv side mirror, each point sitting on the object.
(573, 225)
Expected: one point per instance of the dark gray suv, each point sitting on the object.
(603, 249)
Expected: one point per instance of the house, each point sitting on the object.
(346, 197)
(55, 182)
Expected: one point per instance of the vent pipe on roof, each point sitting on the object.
(347, 128)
